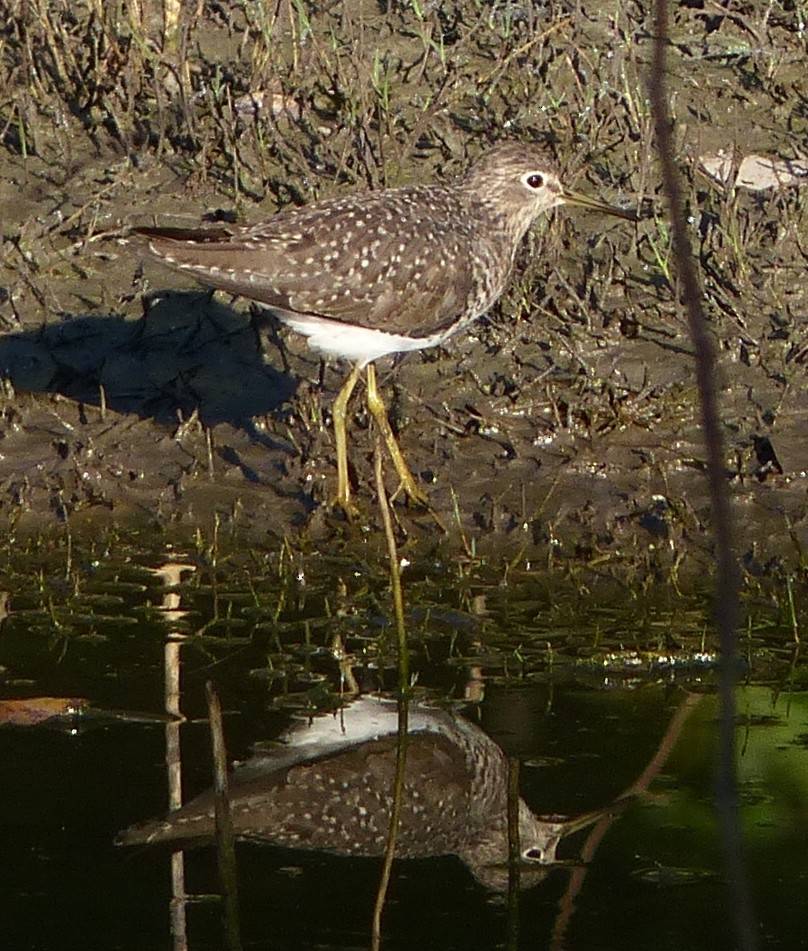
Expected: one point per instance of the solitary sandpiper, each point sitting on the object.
(329, 788)
(383, 272)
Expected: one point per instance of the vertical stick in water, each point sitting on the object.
(403, 696)
(225, 839)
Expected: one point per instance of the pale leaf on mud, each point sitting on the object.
(755, 172)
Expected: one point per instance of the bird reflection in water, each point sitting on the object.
(329, 787)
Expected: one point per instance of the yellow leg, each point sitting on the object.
(379, 413)
(340, 414)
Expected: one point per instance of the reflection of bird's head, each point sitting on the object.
(487, 856)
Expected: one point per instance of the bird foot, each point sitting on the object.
(414, 495)
(346, 506)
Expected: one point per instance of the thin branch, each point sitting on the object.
(726, 594)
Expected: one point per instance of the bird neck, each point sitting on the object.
(506, 218)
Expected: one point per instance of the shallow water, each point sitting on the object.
(585, 731)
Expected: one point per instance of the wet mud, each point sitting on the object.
(563, 428)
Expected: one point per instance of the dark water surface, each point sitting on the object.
(621, 701)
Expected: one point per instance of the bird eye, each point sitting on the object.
(535, 180)
(534, 855)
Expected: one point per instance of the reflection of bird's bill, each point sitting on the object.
(592, 204)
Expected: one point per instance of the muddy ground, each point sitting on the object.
(565, 428)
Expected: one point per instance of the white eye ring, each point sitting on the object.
(534, 180)
(534, 854)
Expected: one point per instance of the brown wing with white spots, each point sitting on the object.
(397, 261)
(342, 804)
(339, 804)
